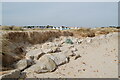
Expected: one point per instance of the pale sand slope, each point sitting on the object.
(99, 59)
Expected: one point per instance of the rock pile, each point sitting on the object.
(49, 56)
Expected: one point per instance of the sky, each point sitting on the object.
(60, 0)
(77, 14)
(0, 13)
(118, 13)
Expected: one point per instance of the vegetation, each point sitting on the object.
(83, 32)
(91, 32)
(16, 39)
(11, 28)
(105, 30)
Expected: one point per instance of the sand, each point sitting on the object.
(99, 59)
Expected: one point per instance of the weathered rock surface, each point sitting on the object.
(35, 54)
(52, 50)
(12, 74)
(58, 58)
(47, 45)
(74, 49)
(56, 49)
(69, 53)
(44, 64)
(22, 64)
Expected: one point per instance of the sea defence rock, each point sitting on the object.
(58, 58)
(48, 45)
(24, 63)
(69, 50)
(44, 64)
(69, 53)
(52, 50)
(12, 74)
(35, 54)
(48, 63)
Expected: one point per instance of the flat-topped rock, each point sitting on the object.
(36, 53)
(58, 58)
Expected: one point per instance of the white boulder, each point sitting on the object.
(58, 58)
(22, 64)
(52, 50)
(44, 64)
(35, 54)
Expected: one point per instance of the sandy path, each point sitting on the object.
(99, 59)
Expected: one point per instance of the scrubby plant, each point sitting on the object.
(84, 32)
(91, 32)
(11, 28)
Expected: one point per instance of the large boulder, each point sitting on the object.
(48, 50)
(35, 54)
(58, 58)
(66, 47)
(44, 64)
(56, 49)
(76, 40)
(48, 45)
(52, 50)
(22, 64)
(69, 53)
(12, 74)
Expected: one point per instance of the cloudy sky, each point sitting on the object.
(82, 14)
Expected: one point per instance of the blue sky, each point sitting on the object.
(80, 14)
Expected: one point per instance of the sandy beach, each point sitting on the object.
(59, 40)
(98, 59)
(63, 56)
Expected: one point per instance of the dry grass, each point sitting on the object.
(89, 32)
(8, 53)
(105, 30)
(14, 42)
(11, 28)
(34, 37)
(83, 32)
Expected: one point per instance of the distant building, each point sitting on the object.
(50, 27)
(62, 28)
